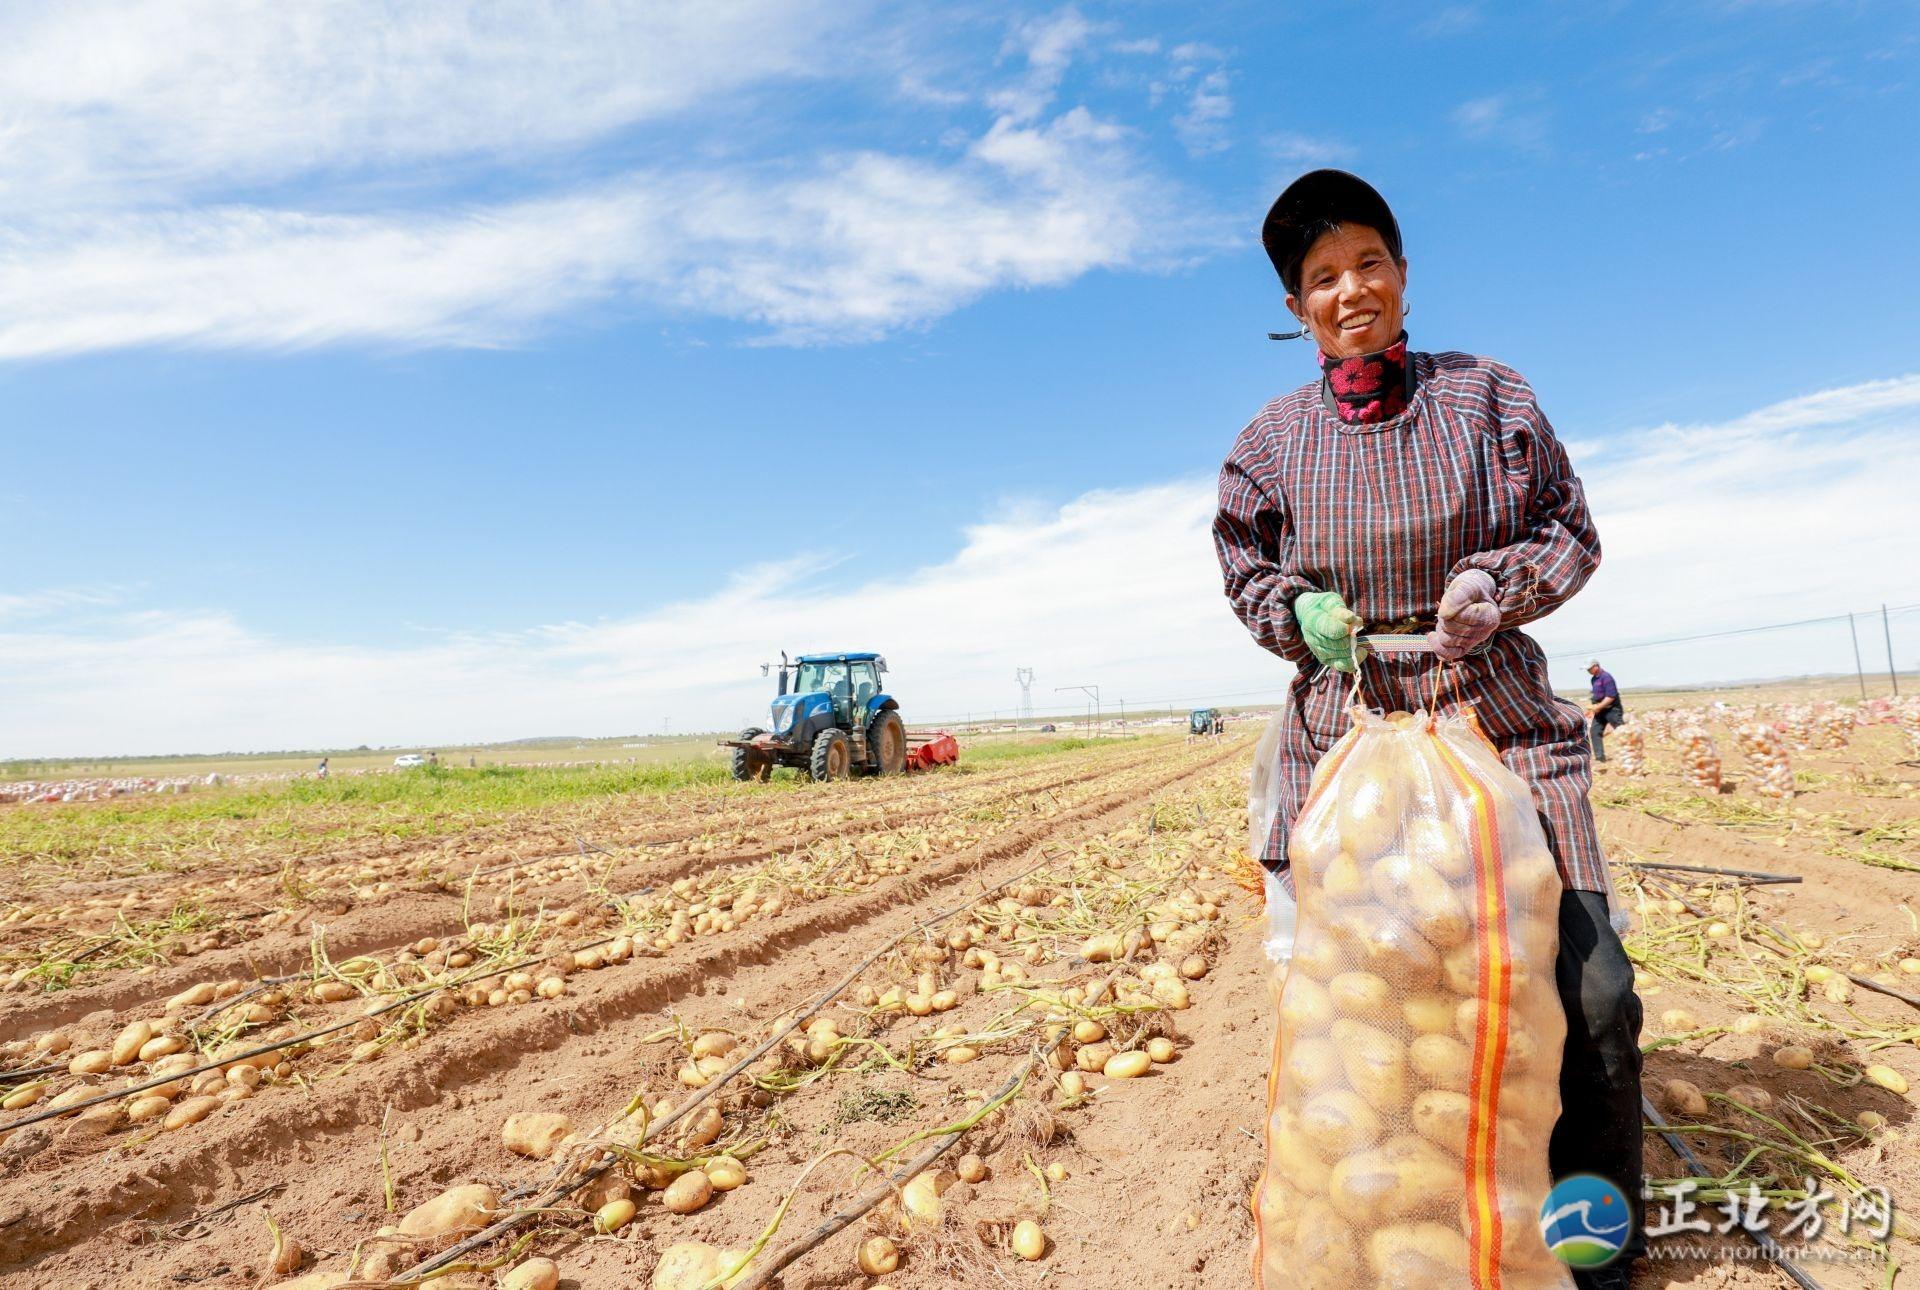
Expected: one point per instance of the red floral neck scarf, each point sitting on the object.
(1368, 387)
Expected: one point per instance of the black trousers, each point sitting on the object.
(1607, 716)
(1599, 1130)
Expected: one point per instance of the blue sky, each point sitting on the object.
(488, 372)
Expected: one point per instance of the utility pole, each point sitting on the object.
(1858, 672)
(1892, 674)
(1092, 691)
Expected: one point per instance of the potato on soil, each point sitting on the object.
(688, 1193)
(1028, 1241)
(694, 1265)
(1683, 1097)
(191, 1111)
(1793, 1057)
(971, 1168)
(725, 1173)
(454, 1212)
(126, 1047)
(535, 1134)
(877, 1256)
(534, 1274)
(1127, 1065)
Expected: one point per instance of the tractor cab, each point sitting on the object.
(830, 717)
(1206, 721)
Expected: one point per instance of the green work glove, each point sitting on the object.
(1327, 626)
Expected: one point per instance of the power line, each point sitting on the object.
(1593, 652)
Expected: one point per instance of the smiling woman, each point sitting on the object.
(1425, 493)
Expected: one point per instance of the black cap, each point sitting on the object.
(1310, 206)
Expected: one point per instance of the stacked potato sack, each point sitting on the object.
(1835, 727)
(1631, 749)
(1766, 754)
(1415, 1078)
(1700, 761)
(1799, 725)
(1908, 715)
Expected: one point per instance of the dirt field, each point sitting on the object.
(682, 929)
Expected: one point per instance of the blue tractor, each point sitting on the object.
(831, 721)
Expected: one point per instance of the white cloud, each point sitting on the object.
(862, 244)
(1517, 121)
(116, 99)
(1202, 127)
(1800, 509)
(1794, 510)
(1048, 45)
(212, 174)
(1309, 150)
(1118, 589)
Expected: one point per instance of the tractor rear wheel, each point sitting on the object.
(887, 743)
(749, 764)
(832, 757)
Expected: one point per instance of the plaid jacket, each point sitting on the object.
(1470, 476)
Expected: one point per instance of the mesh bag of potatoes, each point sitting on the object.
(1415, 1079)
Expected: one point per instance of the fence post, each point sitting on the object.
(1893, 674)
(1858, 672)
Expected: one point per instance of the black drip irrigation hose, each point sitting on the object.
(1762, 1239)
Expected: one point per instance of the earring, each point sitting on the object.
(1406, 307)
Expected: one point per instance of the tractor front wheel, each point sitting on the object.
(831, 756)
(750, 764)
(887, 742)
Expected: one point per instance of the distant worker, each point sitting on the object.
(433, 759)
(1603, 708)
(321, 769)
(1428, 492)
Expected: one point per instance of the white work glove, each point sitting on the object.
(1469, 613)
(1280, 916)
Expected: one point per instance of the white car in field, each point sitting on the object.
(410, 759)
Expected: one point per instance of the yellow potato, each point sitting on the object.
(1325, 1256)
(534, 1274)
(457, 1210)
(877, 1256)
(1340, 1122)
(1441, 1116)
(1438, 844)
(1427, 1014)
(1460, 968)
(1305, 1006)
(1386, 945)
(1291, 1155)
(1533, 882)
(1319, 957)
(693, 1265)
(1444, 1118)
(1367, 815)
(1417, 893)
(1343, 879)
(1406, 1175)
(1361, 994)
(535, 1134)
(689, 1192)
(1419, 1255)
(1310, 1065)
(1375, 1064)
(1442, 1061)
